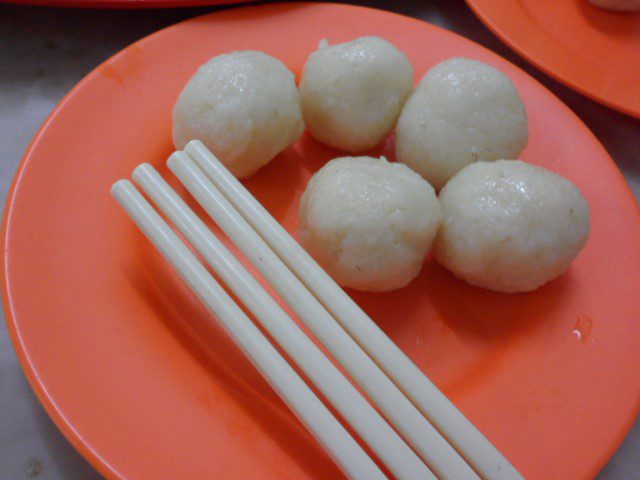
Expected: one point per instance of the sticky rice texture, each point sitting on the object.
(368, 222)
(352, 92)
(244, 106)
(462, 111)
(510, 226)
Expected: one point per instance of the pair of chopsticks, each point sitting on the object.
(418, 434)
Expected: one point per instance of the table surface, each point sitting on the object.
(50, 50)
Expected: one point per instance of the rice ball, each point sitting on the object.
(462, 111)
(619, 5)
(244, 106)
(352, 93)
(368, 222)
(510, 226)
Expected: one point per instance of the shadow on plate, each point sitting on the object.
(284, 172)
(201, 335)
(467, 310)
(619, 24)
(438, 313)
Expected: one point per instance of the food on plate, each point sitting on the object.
(352, 92)
(368, 222)
(244, 106)
(510, 226)
(500, 224)
(462, 111)
(620, 5)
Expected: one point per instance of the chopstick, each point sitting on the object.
(365, 420)
(344, 450)
(427, 442)
(476, 449)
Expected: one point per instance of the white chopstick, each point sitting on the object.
(285, 381)
(364, 419)
(443, 460)
(487, 461)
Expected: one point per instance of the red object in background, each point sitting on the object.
(589, 49)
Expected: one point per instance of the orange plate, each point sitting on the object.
(589, 49)
(123, 359)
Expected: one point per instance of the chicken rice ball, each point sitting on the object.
(244, 106)
(463, 111)
(352, 92)
(368, 222)
(510, 226)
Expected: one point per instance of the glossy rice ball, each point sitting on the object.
(619, 5)
(368, 222)
(352, 93)
(510, 226)
(244, 106)
(462, 111)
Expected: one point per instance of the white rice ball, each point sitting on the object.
(462, 111)
(244, 106)
(368, 222)
(352, 93)
(510, 226)
(619, 5)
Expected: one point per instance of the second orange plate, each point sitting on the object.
(592, 50)
(145, 385)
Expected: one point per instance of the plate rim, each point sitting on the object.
(48, 403)
(37, 386)
(540, 64)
